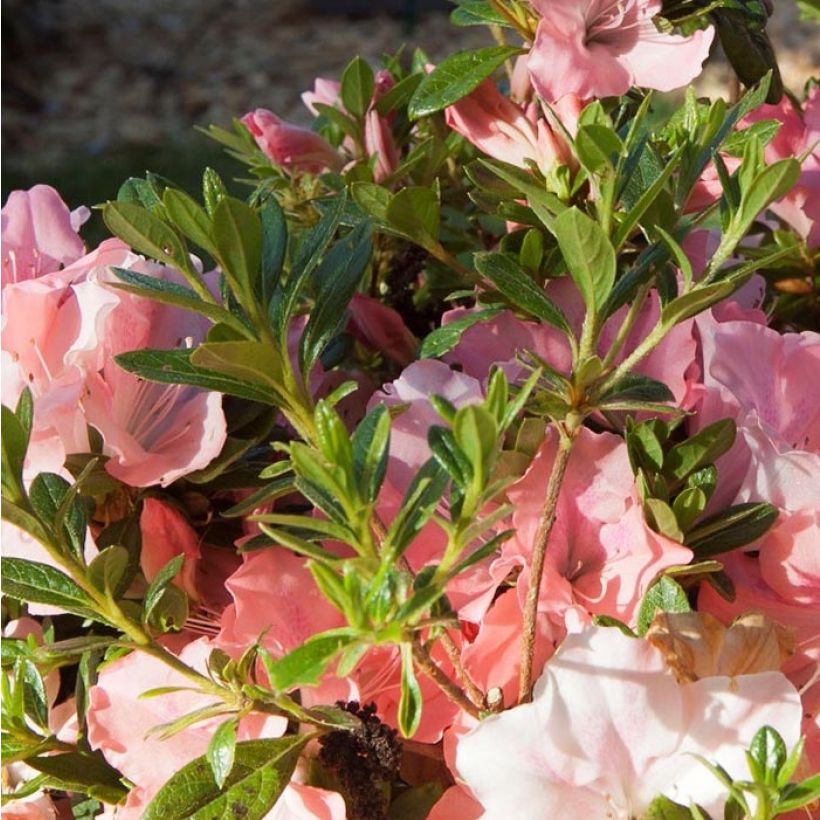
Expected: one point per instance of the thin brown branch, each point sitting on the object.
(427, 665)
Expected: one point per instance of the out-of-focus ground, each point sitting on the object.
(96, 90)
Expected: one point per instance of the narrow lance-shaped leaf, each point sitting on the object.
(261, 771)
(455, 77)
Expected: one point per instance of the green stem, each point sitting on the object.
(628, 323)
(567, 435)
(628, 364)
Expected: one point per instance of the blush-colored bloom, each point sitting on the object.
(154, 433)
(506, 131)
(600, 48)
(610, 728)
(602, 557)
(289, 145)
(39, 234)
(799, 135)
(165, 534)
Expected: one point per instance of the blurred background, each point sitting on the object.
(95, 91)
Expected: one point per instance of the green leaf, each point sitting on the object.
(336, 279)
(665, 595)
(274, 247)
(598, 147)
(16, 432)
(455, 77)
(735, 527)
(415, 212)
(476, 433)
(689, 506)
(176, 367)
(222, 751)
(109, 570)
(797, 795)
(448, 454)
(82, 772)
(305, 665)
(410, 699)
(357, 86)
(589, 255)
(694, 302)
(237, 234)
(147, 234)
(161, 581)
(420, 501)
(703, 448)
(767, 752)
(213, 190)
(399, 94)
(190, 217)
(662, 808)
(309, 252)
(515, 285)
(635, 387)
(170, 293)
(261, 771)
(477, 13)
(772, 183)
(42, 584)
(371, 444)
(47, 494)
(446, 337)
(246, 361)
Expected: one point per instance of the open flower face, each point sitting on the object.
(599, 48)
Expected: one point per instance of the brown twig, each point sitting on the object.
(539, 551)
(427, 665)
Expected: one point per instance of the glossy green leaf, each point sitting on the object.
(589, 255)
(445, 338)
(371, 444)
(43, 584)
(665, 595)
(734, 527)
(477, 13)
(176, 367)
(705, 447)
(516, 286)
(414, 211)
(662, 808)
(694, 302)
(261, 771)
(160, 583)
(305, 665)
(357, 86)
(455, 77)
(190, 217)
(47, 493)
(82, 772)
(109, 571)
(411, 701)
(221, 751)
(237, 235)
(767, 753)
(274, 247)
(213, 190)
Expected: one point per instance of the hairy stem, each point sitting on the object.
(567, 435)
(473, 690)
(427, 665)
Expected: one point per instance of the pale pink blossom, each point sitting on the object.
(39, 234)
(503, 130)
(154, 433)
(381, 328)
(165, 533)
(600, 48)
(602, 556)
(325, 92)
(610, 728)
(120, 723)
(290, 145)
(798, 136)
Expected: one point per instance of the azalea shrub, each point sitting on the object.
(459, 459)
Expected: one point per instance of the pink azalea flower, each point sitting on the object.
(456, 802)
(599, 48)
(325, 92)
(39, 234)
(119, 724)
(289, 145)
(382, 328)
(504, 337)
(602, 557)
(610, 728)
(505, 131)
(799, 133)
(154, 433)
(166, 534)
(274, 591)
